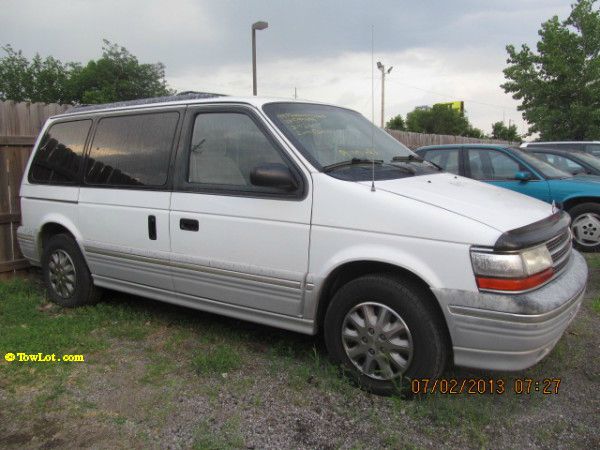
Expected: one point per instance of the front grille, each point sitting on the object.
(560, 250)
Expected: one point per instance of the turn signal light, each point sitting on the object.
(514, 284)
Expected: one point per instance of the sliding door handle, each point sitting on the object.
(152, 228)
(189, 224)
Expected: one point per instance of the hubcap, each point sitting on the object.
(586, 229)
(62, 273)
(377, 341)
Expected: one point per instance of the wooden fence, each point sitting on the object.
(21, 122)
(416, 140)
(19, 125)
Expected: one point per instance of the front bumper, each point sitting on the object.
(512, 332)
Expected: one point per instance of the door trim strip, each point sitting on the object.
(196, 267)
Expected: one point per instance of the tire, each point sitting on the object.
(585, 226)
(426, 336)
(66, 274)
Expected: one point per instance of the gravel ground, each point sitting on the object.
(183, 379)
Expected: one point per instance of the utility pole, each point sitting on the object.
(381, 67)
(255, 26)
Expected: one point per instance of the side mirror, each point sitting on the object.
(523, 176)
(273, 175)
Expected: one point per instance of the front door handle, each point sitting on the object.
(189, 224)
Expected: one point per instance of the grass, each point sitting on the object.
(593, 260)
(160, 351)
(157, 369)
(31, 325)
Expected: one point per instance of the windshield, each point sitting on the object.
(328, 136)
(546, 169)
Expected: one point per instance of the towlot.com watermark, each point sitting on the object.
(42, 357)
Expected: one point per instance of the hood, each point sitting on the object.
(578, 186)
(583, 181)
(493, 206)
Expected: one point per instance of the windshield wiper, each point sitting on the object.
(351, 162)
(407, 158)
(414, 158)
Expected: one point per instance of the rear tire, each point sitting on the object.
(383, 331)
(66, 274)
(585, 226)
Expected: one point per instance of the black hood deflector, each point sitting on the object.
(533, 234)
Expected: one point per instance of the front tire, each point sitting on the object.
(383, 331)
(67, 277)
(585, 226)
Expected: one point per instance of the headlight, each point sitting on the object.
(517, 271)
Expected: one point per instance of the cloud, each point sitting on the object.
(440, 50)
(419, 77)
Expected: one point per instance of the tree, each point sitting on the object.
(116, 76)
(559, 85)
(440, 119)
(471, 131)
(505, 133)
(396, 123)
(38, 80)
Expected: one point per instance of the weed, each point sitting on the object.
(156, 370)
(219, 359)
(224, 438)
(596, 305)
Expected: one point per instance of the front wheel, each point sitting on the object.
(585, 226)
(383, 330)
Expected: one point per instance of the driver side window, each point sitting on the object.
(225, 148)
(565, 164)
(446, 159)
(492, 165)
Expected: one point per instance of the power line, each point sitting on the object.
(446, 96)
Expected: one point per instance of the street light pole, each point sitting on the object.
(383, 73)
(255, 26)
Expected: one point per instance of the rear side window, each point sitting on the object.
(132, 150)
(60, 153)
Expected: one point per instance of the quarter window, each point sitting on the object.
(132, 150)
(59, 155)
(225, 148)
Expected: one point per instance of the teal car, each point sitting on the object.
(521, 171)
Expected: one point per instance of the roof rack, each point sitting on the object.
(187, 95)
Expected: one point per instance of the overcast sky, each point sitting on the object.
(439, 50)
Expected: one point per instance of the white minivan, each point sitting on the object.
(301, 216)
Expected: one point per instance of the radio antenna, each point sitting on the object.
(372, 110)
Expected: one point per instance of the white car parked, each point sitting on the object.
(300, 216)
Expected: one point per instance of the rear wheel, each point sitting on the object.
(68, 279)
(384, 331)
(585, 225)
